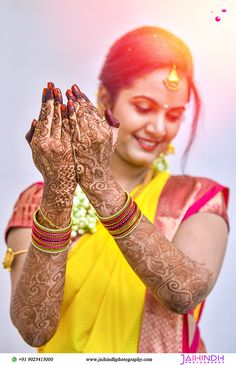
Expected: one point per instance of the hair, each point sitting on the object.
(142, 51)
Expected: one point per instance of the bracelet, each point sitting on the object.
(123, 222)
(48, 249)
(117, 214)
(46, 219)
(132, 229)
(50, 230)
(9, 257)
(129, 224)
(127, 218)
(50, 240)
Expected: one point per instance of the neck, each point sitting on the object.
(127, 175)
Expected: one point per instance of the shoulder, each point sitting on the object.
(31, 193)
(185, 195)
(187, 185)
(26, 204)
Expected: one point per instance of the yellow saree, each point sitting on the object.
(103, 297)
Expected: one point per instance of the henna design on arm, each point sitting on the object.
(36, 301)
(37, 295)
(179, 282)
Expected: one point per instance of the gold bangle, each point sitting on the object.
(50, 250)
(46, 229)
(104, 219)
(127, 225)
(47, 220)
(9, 257)
(131, 230)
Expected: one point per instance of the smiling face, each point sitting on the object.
(150, 116)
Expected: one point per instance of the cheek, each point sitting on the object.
(172, 130)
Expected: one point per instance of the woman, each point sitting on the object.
(139, 282)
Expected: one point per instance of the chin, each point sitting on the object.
(139, 161)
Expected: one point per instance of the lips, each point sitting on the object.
(146, 144)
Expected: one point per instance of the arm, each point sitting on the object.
(38, 277)
(37, 289)
(180, 273)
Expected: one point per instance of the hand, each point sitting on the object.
(93, 140)
(50, 142)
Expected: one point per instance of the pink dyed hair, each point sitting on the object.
(143, 50)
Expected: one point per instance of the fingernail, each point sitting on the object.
(69, 92)
(44, 95)
(70, 107)
(64, 111)
(57, 96)
(50, 85)
(113, 121)
(34, 122)
(70, 95)
(49, 94)
(29, 135)
(76, 91)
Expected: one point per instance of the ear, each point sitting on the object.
(103, 98)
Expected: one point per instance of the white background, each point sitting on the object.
(65, 42)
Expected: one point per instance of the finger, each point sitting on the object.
(113, 122)
(111, 119)
(71, 109)
(47, 111)
(65, 129)
(70, 95)
(56, 127)
(78, 93)
(58, 96)
(29, 135)
(64, 112)
(46, 95)
(75, 130)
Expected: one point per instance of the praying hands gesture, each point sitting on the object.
(72, 144)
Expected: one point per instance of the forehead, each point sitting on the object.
(152, 86)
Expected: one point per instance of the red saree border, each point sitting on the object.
(205, 198)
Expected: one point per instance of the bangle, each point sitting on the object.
(50, 230)
(117, 214)
(9, 257)
(132, 229)
(123, 222)
(46, 219)
(50, 240)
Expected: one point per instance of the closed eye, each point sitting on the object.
(174, 117)
(142, 109)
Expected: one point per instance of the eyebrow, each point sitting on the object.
(181, 107)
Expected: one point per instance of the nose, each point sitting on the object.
(157, 126)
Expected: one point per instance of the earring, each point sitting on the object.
(161, 164)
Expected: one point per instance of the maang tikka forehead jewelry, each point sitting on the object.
(173, 80)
